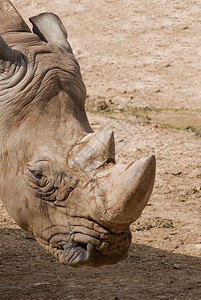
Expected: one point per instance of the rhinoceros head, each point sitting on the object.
(58, 179)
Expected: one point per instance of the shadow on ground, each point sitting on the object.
(28, 272)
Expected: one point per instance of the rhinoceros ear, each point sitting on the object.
(8, 56)
(50, 29)
(6, 53)
(11, 21)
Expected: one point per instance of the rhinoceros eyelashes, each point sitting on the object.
(48, 184)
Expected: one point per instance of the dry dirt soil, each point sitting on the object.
(136, 57)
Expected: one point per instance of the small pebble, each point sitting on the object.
(176, 266)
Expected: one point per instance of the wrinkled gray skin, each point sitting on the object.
(58, 179)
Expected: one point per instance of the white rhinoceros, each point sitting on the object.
(58, 179)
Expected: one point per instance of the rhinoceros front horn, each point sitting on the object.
(125, 193)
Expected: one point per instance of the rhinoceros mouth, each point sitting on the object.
(86, 254)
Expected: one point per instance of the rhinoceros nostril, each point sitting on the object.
(75, 254)
(82, 245)
(73, 245)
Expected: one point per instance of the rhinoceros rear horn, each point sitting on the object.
(10, 19)
(93, 151)
(50, 29)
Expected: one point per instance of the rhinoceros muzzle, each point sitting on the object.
(83, 250)
(79, 254)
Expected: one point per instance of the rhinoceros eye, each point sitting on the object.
(49, 184)
(39, 173)
(41, 178)
(36, 174)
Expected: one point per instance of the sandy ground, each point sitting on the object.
(147, 54)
